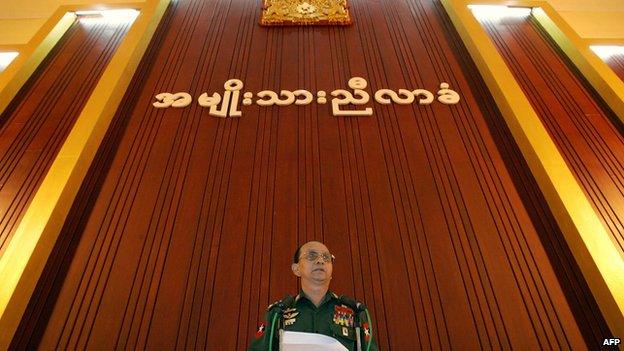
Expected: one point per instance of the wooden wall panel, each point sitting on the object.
(185, 228)
(35, 124)
(588, 134)
(616, 62)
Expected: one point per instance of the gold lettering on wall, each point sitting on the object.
(341, 97)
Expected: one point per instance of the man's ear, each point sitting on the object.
(295, 269)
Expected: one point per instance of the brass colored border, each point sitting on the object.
(596, 254)
(23, 261)
(600, 76)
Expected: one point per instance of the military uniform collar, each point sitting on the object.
(328, 296)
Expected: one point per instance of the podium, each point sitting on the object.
(299, 341)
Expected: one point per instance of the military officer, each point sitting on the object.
(315, 309)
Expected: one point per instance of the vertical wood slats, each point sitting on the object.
(589, 136)
(35, 124)
(186, 226)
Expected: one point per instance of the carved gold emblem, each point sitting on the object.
(305, 12)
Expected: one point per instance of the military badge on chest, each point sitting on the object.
(343, 316)
(290, 316)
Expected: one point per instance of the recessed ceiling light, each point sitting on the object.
(6, 58)
(114, 16)
(498, 11)
(607, 51)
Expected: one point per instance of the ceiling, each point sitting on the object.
(43, 8)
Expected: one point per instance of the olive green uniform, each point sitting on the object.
(332, 318)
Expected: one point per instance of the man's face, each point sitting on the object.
(318, 271)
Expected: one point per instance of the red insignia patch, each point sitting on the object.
(366, 332)
(260, 330)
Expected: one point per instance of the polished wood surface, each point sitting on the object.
(185, 229)
(35, 124)
(588, 134)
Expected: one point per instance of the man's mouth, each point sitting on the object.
(319, 269)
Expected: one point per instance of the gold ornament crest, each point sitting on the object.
(305, 12)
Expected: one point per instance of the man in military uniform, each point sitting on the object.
(315, 309)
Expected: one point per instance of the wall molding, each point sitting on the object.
(600, 261)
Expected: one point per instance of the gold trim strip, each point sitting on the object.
(608, 85)
(23, 261)
(592, 246)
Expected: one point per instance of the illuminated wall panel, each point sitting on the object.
(588, 134)
(35, 124)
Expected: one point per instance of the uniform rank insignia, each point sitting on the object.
(343, 315)
(289, 316)
(260, 330)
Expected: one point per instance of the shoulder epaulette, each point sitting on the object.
(287, 301)
(273, 305)
(350, 302)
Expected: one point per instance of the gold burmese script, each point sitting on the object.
(228, 104)
(305, 12)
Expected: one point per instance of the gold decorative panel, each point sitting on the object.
(305, 12)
